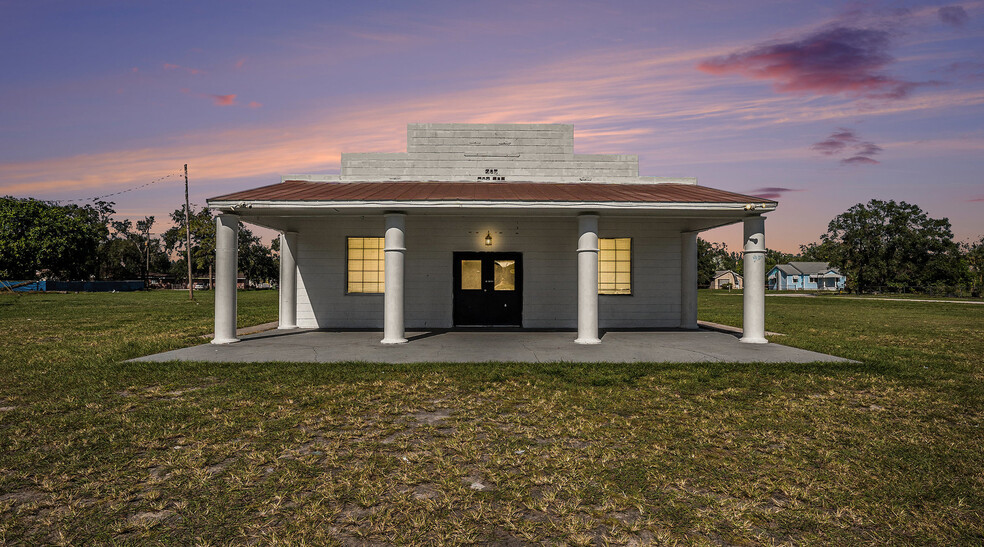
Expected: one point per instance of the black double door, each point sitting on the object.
(488, 289)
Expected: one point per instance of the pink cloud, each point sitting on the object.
(839, 60)
(772, 192)
(224, 100)
(976, 199)
(859, 160)
(844, 139)
(868, 149)
(240, 63)
(836, 142)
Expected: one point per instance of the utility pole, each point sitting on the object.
(191, 283)
(147, 266)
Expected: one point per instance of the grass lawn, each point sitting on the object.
(94, 450)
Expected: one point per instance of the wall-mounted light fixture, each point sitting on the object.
(488, 239)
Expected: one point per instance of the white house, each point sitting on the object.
(726, 279)
(806, 276)
(488, 225)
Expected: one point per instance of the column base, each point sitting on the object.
(587, 341)
(287, 327)
(393, 341)
(220, 341)
(753, 340)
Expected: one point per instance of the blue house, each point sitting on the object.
(805, 276)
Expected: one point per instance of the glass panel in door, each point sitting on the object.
(505, 275)
(471, 275)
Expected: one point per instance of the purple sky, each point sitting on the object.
(820, 105)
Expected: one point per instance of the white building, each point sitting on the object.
(488, 225)
(726, 279)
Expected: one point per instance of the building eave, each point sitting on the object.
(232, 206)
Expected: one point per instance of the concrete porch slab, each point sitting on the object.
(458, 346)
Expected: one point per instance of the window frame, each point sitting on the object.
(631, 262)
(348, 271)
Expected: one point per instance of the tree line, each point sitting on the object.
(45, 240)
(883, 246)
(879, 246)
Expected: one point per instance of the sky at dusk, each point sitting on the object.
(820, 105)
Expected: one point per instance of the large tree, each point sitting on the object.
(202, 239)
(712, 257)
(255, 260)
(44, 239)
(974, 255)
(828, 251)
(884, 244)
(130, 252)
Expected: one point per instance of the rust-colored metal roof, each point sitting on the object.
(297, 190)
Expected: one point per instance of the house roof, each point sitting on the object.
(806, 268)
(787, 269)
(306, 191)
(811, 268)
(719, 273)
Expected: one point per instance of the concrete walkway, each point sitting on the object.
(331, 346)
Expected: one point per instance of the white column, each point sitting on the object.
(753, 297)
(688, 280)
(393, 332)
(226, 266)
(288, 280)
(587, 280)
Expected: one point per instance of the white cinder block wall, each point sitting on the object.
(548, 247)
(490, 152)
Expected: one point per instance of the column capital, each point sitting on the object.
(587, 240)
(754, 231)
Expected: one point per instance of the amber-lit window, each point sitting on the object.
(365, 265)
(615, 265)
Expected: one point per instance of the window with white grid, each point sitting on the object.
(365, 265)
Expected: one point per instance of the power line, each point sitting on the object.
(155, 181)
